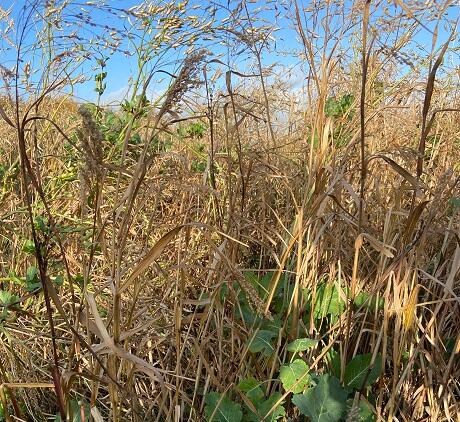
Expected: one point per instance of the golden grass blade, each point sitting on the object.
(28, 385)
(379, 246)
(276, 276)
(153, 254)
(141, 364)
(409, 311)
(412, 220)
(5, 117)
(400, 170)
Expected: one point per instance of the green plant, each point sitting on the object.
(8, 301)
(127, 229)
(326, 402)
(339, 107)
(320, 396)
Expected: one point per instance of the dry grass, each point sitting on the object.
(154, 232)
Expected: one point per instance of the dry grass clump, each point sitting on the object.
(147, 248)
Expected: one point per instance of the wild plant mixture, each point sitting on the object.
(264, 226)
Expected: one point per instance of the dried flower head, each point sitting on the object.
(185, 80)
(90, 138)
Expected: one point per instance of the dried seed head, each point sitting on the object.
(255, 301)
(187, 79)
(90, 139)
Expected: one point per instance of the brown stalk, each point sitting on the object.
(362, 112)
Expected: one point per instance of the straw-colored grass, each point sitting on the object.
(147, 255)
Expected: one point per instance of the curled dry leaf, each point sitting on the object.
(153, 254)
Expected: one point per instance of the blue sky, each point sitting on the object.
(120, 67)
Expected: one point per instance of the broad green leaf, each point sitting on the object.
(337, 107)
(273, 325)
(251, 387)
(326, 402)
(245, 313)
(262, 342)
(369, 301)
(294, 376)
(449, 345)
(32, 279)
(7, 298)
(223, 292)
(333, 358)
(301, 344)
(59, 280)
(261, 283)
(356, 372)
(365, 412)
(15, 279)
(263, 409)
(223, 411)
(41, 224)
(29, 247)
(328, 301)
(251, 277)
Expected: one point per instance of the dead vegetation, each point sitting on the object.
(161, 256)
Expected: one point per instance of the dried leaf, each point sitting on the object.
(379, 246)
(141, 364)
(412, 220)
(400, 170)
(5, 117)
(153, 254)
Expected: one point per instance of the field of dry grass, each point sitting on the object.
(240, 248)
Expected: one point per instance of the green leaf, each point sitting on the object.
(257, 283)
(59, 280)
(356, 372)
(294, 376)
(7, 298)
(326, 402)
(223, 410)
(32, 279)
(265, 407)
(262, 342)
(332, 107)
(369, 301)
(301, 344)
(79, 409)
(454, 202)
(449, 345)
(328, 301)
(273, 325)
(41, 224)
(338, 107)
(29, 247)
(365, 412)
(251, 387)
(245, 313)
(333, 358)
